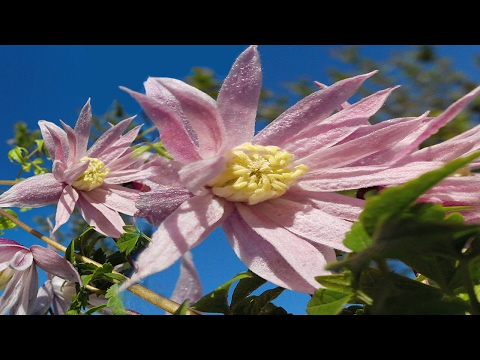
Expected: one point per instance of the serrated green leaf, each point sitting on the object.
(127, 241)
(114, 300)
(327, 302)
(7, 223)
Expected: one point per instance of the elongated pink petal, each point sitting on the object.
(105, 220)
(196, 175)
(55, 264)
(72, 141)
(47, 129)
(188, 285)
(274, 253)
(238, 97)
(440, 121)
(44, 299)
(305, 221)
(82, 130)
(116, 197)
(184, 229)
(309, 111)
(358, 148)
(25, 292)
(362, 177)
(337, 126)
(201, 111)
(35, 191)
(65, 206)
(339, 205)
(104, 142)
(165, 112)
(160, 202)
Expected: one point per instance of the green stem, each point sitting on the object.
(464, 267)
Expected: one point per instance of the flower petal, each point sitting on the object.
(44, 299)
(196, 175)
(274, 253)
(82, 131)
(65, 206)
(309, 111)
(54, 264)
(184, 229)
(238, 97)
(165, 112)
(35, 191)
(201, 111)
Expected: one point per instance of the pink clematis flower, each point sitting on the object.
(274, 193)
(90, 180)
(19, 275)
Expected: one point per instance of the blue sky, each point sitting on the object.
(52, 82)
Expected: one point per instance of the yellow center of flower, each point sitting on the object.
(92, 177)
(5, 276)
(256, 173)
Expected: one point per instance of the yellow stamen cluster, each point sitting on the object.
(5, 276)
(92, 177)
(256, 173)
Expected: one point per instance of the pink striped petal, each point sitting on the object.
(184, 229)
(35, 191)
(309, 111)
(238, 97)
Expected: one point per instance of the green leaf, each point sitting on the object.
(182, 309)
(339, 282)
(217, 300)
(127, 242)
(357, 238)
(327, 302)
(246, 286)
(114, 300)
(7, 223)
(260, 305)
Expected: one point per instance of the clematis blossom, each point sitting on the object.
(275, 193)
(89, 179)
(19, 276)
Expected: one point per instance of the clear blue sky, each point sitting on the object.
(53, 82)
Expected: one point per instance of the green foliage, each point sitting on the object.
(7, 223)
(114, 300)
(243, 303)
(429, 238)
(129, 240)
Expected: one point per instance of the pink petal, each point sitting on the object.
(47, 129)
(309, 111)
(165, 112)
(274, 253)
(104, 219)
(44, 299)
(35, 191)
(158, 203)
(25, 292)
(54, 264)
(188, 285)
(341, 206)
(184, 229)
(304, 220)
(82, 130)
(195, 176)
(328, 133)
(104, 142)
(201, 111)
(65, 206)
(116, 197)
(238, 97)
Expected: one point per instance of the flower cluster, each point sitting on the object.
(279, 194)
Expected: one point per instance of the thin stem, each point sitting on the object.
(8, 182)
(146, 294)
